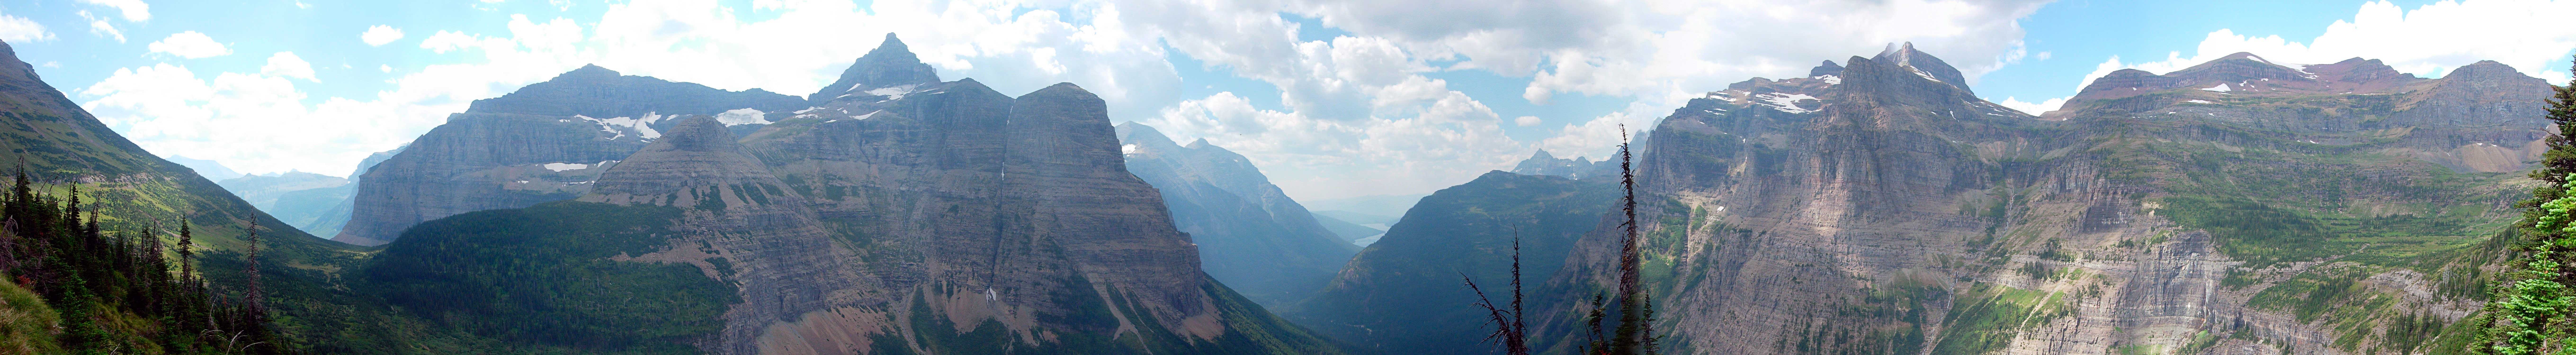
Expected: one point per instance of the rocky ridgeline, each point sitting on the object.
(1542, 163)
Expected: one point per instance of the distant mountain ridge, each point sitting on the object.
(1249, 233)
(1542, 163)
(542, 143)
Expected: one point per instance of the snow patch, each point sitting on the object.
(2222, 87)
(642, 127)
(1919, 72)
(891, 92)
(1785, 102)
(1128, 149)
(743, 116)
(858, 117)
(1838, 80)
(2197, 101)
(560, 167)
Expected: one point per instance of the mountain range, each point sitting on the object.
(2237, 206)
(1877, 205)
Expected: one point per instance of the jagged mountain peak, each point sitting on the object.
(1923, 63)
(890, 64)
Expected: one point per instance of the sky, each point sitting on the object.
(1331, 98)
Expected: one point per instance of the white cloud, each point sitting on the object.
(1658, 53)
(385, 68)
(1357, 105)
(379, 35)
(2043, 55)
(20, 29)
(189, 44)
(134, 10)
(287, 65)
(2034, 109)
(262, 122)
(1395, 153)
(2428, 41)
(99, 26)
(445, 41)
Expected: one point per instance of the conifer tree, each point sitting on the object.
(1635, 335)
(252, 264)
(2533, 309)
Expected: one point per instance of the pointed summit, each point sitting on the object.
(891, 64)
(1923, 64)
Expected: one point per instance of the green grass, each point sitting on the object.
(1987, 317)
(2263, 234)
(27, 325)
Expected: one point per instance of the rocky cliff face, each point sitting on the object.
(542, 143)
(946, 218)
(1250, 235)
(972, 213)
(1885, 210)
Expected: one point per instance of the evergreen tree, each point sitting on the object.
(2530, 312)
(90, 274)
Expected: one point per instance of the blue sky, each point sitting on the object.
(1332, 98)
